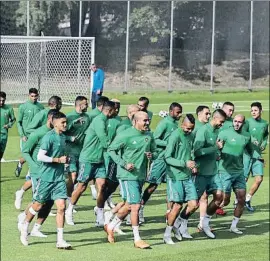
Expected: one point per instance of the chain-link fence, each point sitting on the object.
(152, 45)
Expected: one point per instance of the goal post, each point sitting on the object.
(54, 65)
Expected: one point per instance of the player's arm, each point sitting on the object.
(158, 134)
(28, 149)
(100, 129)
(265, 138)
(34, 124)
(113, 150)
(19, 122)
(249, 147)
(101, 80)
(12, 118)
(198, 145)
(170, 160)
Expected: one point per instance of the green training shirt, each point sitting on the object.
(206, 150)
(93, 114)
(96, 141)
(178, 152)
(27, 111)
(112, 125)
(125, 124)
(129, 147)
(6, 118)
(258, 130)
(232, 152)
(198, 125)
(31, 148)
(162, 133)
(228, 123)
(55, 145)
(77, 130)
(39, 119)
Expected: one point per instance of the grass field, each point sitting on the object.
(90, 242)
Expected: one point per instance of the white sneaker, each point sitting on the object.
(51, 214)
(99, 223)
(207, 231)
(141, 216)
(21, 218)
(183, 229)
(177, 234)
(119, 231)
(168, 240)
(107, 217)
(107, 206)
(18, 199)
(63, 245)
(94, 193)
(128, 220)
(95, 210)
(24, 238)
(69, 219)
(235, 230)
(110, 202)
(37, 233)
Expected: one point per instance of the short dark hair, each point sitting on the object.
(145, 99)
(52, 112)
(201, 108)
(190, 118)
(228, 103)
(80, 98)
(102, 100)
(33, 90)
(108, 104)
(3, 95)
(58, 115)
(256, 104)
(54, 100)
(220, 112)
(174, 105)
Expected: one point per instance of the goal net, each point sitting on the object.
(54, 65)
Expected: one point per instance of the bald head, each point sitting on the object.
(141, 121)
(238, 122)
(131, 110)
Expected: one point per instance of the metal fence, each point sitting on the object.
(154, 46)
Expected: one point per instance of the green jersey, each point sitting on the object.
(162, 133)
(96, 141)
(39, 119)
(31, 148)
(206, 150)
(231, 160)
(130, 146)
(178, 152)
(258, 130)
(27, 111)
(55, 145)
(125, 124)
(6, 118)
(112, 125)
(198, 125)
(93, 114)
(76, 129)
(228, 123)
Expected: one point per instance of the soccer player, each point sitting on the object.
(206, 150)
(6, 122)
(203, 115)
(137, 147)
(180, 166)
(77, 123)
(143, 103)
(27, 111)
(91, 163)
(92, 114)
(258, 129)
(127, 123)
(51, 184)
(231, 167)
(30, 152)
(97, 84)
(161, 135)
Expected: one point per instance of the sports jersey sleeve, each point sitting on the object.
(12, 118)
(34, 124)
(28, 149)
(100, 129)
(170, 149)
(19, 122)
(114, 149)
(265, 138)
(158, 135)
(198, 145)
(153, 149)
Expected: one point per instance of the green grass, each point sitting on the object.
(90, 242)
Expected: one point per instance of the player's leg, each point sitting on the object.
(92, 186)
(19, 193)
(3, 144)
(21, 161)
(257, 173)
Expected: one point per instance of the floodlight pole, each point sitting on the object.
(213, 46)
(171, 49)
(251, 47)
(127, 48)
(27, 44)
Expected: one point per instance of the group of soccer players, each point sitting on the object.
(211, 155)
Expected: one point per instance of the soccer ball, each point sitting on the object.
(217, 105)
(214, 105)
(163, 114)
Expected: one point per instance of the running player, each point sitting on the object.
(137, 147)
(51, 185)
(143, 103)
(6, 122)
(254, 164)
(27, 111)
(180, 166)
(203, 115)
